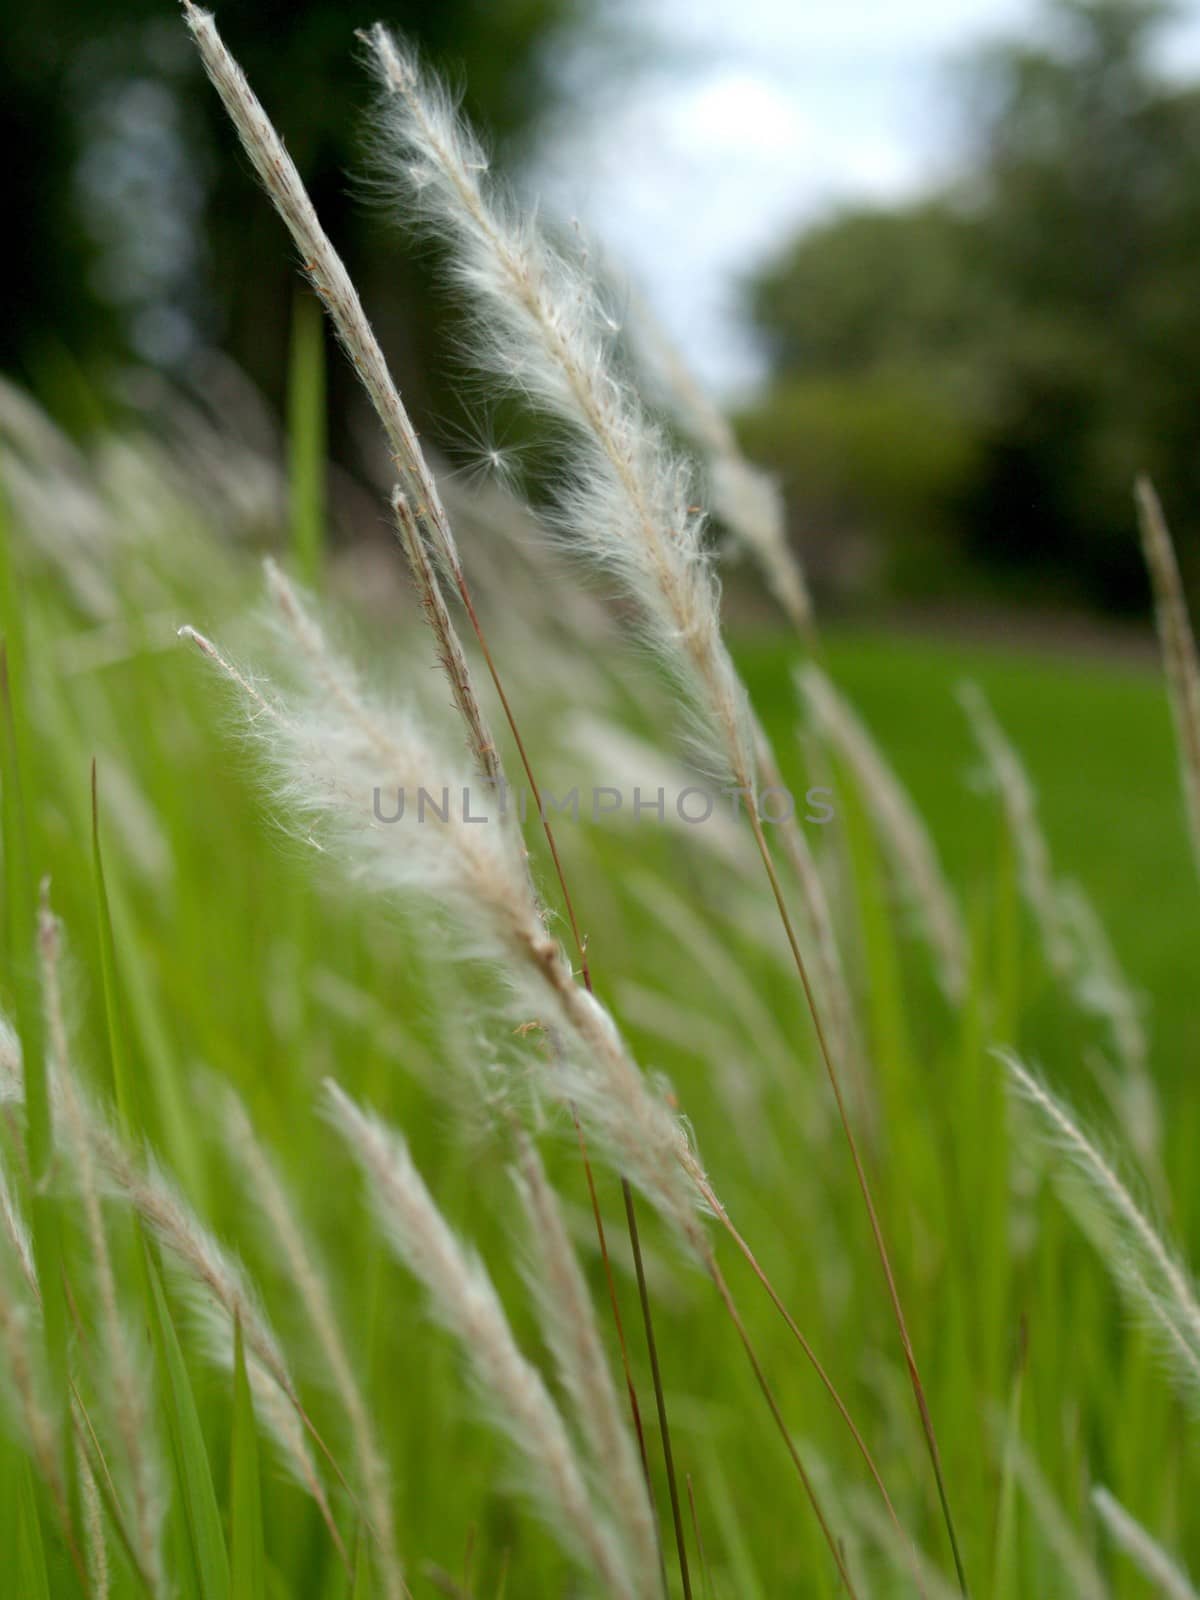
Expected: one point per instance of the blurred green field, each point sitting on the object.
(1096, 738)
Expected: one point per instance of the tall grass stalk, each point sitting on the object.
(540, 327)
(337, 293)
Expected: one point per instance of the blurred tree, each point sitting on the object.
(1048, 299)
(138, 233)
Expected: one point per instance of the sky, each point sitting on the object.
(749, 117)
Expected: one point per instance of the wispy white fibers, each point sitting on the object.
(569, 1324)
(387, 797)
(1157, 1283)
(632, 502)
(465, 1302)
(1143, 1550)
(901, 829)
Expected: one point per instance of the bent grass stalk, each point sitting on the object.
(133, 1422)
(337, 293)
(634, 513)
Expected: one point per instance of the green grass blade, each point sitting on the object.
(306, 437)
(247, 1558)
(209, 1565)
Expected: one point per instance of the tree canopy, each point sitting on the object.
(137, 226)
(1043, 308)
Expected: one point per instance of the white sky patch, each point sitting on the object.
(757, 116)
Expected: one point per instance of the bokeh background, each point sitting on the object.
(941, 259)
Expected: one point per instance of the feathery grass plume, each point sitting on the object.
(903, 833)
(542, 329)
(665, 561)
(1157, 1283)
(1178, 649)
(326, 272)
(1007, 772)
(218, 1290)
(287, 1234)
(333, 758)
(569, 1326)
(631, 502)
(744, 497)
(129, 1402)
(466, 1303)
(1161, 1569)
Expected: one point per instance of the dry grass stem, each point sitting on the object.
(1151, 1560)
